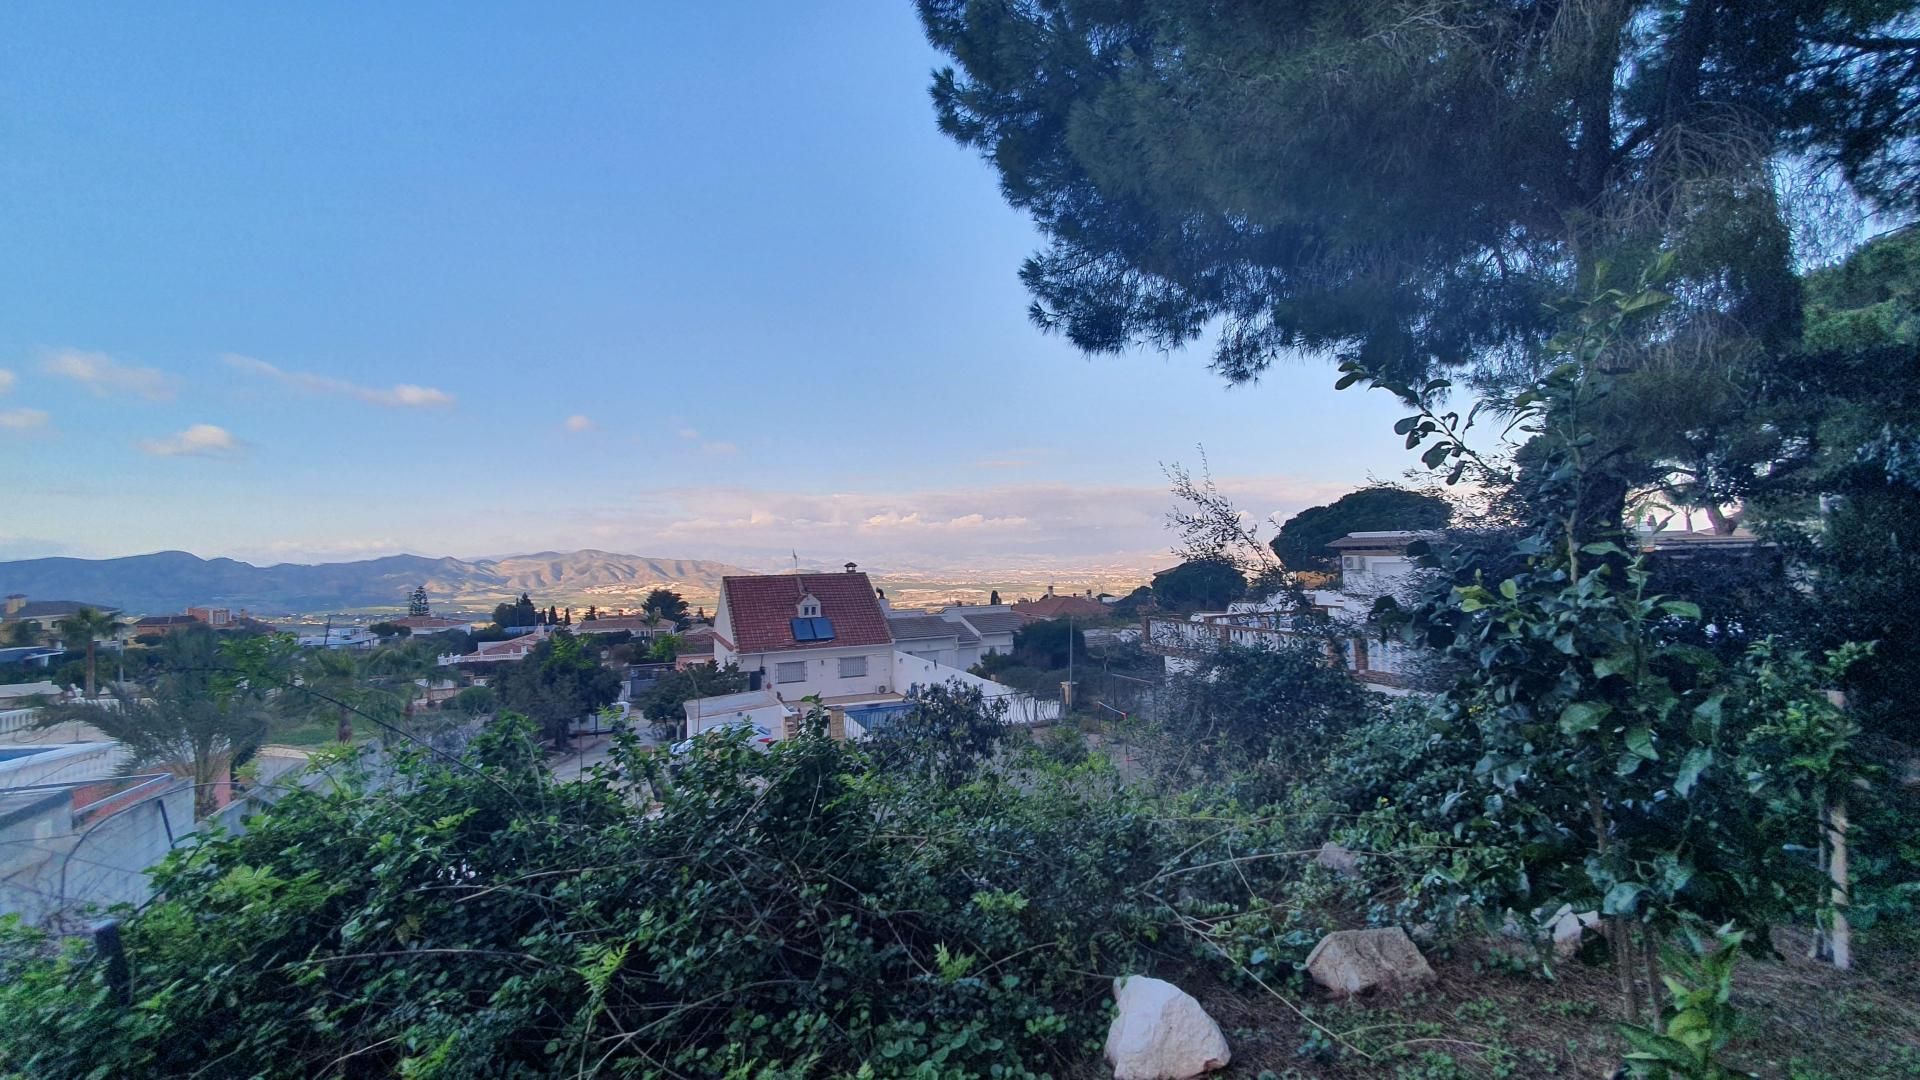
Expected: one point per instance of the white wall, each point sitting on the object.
(822, 671)
(53, 868)
(70, 763)
(910, 671)
(768, 718)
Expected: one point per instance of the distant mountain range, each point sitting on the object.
(171, 581)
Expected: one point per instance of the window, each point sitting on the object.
(792, 671)
(853, 667)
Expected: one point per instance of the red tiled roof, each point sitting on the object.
(762, 608)
(613, 624)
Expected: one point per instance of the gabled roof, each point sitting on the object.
(991, 622)
(613, 624)
(512, 644)
(761, 610)
(930, 628)
(48, 609)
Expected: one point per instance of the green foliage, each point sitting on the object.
(1348, 178)
(1301, 543)
(1045, 645)
(665, 648)
(558, 683)
(1199, 585)
(198, 718)
(519, 613)
(663, 700)
(1697, 1020)
(665, 604)
(475, 701)
(795, 912)
(1606, 746)
(1870, 300)
(387, 631)
(1269, 714)
(83, 630)
(947, 733)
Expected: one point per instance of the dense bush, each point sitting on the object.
(775, 914)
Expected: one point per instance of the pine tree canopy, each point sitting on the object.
(1405, 184)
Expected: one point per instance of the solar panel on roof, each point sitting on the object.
(822, 629)
(803, 629)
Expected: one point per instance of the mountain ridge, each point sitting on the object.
(170, 581)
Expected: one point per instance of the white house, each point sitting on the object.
(1372, 564)
(495, 652)
(339, 637)
(806, 635)
(943, 641)
(993, 624)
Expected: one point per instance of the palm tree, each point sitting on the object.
(87, 626)
(328, 682)
(197, 719)
(398, 669)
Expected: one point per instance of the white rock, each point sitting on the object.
(1569, 927)
(1352, 961)
(1162, 1033)
(1338, 859)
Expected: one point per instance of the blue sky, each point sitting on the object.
(292, 283)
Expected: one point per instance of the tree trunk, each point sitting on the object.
(1722, 524)
(90, 668)
(1619, 935)
(344, 729)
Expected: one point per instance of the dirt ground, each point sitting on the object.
(1487, 1016)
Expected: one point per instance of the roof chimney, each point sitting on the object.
(851, 567)
(15, 603)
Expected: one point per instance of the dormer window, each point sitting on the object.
(809, 607)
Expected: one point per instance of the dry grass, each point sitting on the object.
(1489, 1016)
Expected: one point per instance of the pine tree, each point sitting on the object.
(417, 603)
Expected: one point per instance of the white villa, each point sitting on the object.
(1372, 564)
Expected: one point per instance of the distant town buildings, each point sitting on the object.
(45, 615)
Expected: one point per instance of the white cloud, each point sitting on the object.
(202, 440)
(22, 419)
(399, 396)
(709, 447)
(6, 380)
(105, 376)
(577, 422)
(988, 525)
